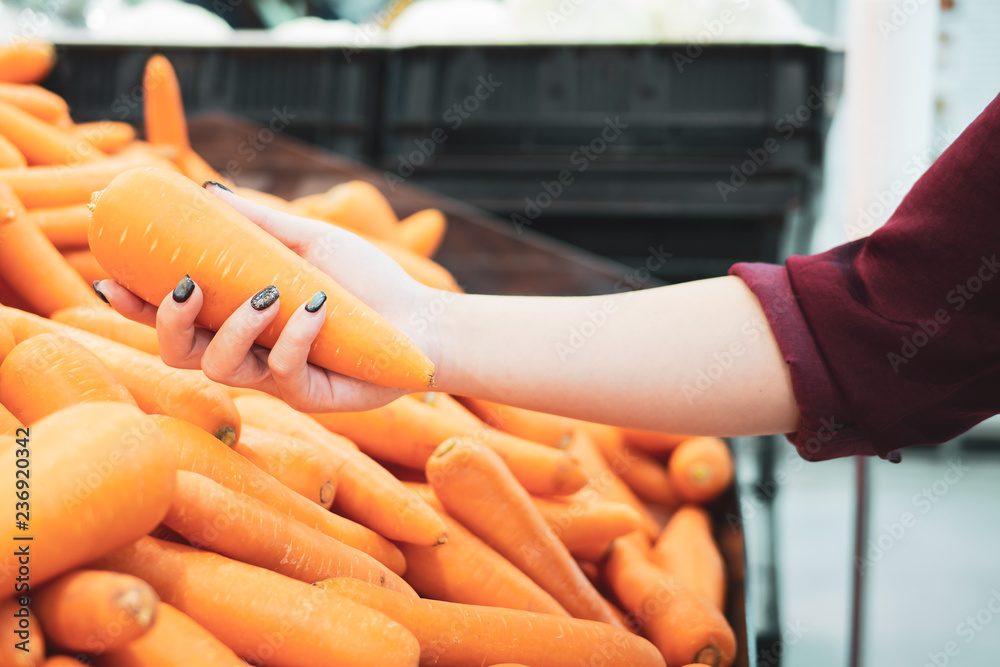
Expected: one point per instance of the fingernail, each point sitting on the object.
(216, 184)
(100, 294)
(316, 302)
(264, 298)
(184, 289)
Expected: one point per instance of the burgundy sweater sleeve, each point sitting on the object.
(894, 340)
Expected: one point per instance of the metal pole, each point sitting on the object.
(862, 483)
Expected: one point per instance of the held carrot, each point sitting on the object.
(535, 426)
(175, 640)
(107, 323)
(10, 625)
(422, 232)
(256, 533)
(258, 613)
(294, 463)
(64, 226)
(687, 550)
(206, 456)
(42, 143)
(109, 475)
(47, 373)
(458, 635)
(367, 492)
(476, 488)
(407, 431)
(469, 571)
(162, 106)
(107, 135)
(683, 626)
(10, 156)
(701, 469)
(26, 61)
(86, 610)
(37, 101)
(83, 262)
(149, 249)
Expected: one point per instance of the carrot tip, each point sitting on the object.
(227, 434)
(442, 539)
(564, 441)
(326, 492)
(708, 656)
(94, 198)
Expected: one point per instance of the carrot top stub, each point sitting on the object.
(150, 227)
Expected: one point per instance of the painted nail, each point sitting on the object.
(264, 298)
(100, 294)
(316, 302)
(216, 184)
(184, 289)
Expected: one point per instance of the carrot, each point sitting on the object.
(701, 469)
(8, 422)
(32, 266)
(107, 135)
(652, 442)
(407, 431)
(194, 167)
(7, 340)
(26, 61)
(47, 373)
(64, 226)
(265, 411)
(357, 205)
(263, 616)
(207, 456)
(37, 101)
(294, 463)
(8, 296)
(107, 323)
(535, 426)
(422, 232)
(162, 106)
(469, 571)
(175, 640)
(42, 143)
(687, 550)
(683, 626)
(94, 610)
(210, 516)
(10, 156)
(476, 488)
(157, 388)
(84, 263)
(451, 406)
(63, 661)
(458, 635)
(23, 643)
(193, 232)
(646, 476)
(586, 525)
(108, 478)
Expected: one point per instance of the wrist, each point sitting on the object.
(433, 325)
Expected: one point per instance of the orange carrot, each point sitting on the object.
(109, 478)
(193, 232)
(294, 463)
(683, 626)
(107, 135)
(47, 373)
(422, 232)
(701, 469)
(407, 431)
(157, 388)
(107, 323)
(265, 411)
(210, 516)
(7, 340)
(42, 143)
(94, 610)
(476, 488)
(458, 635)
(64, 226)
(687, 550)
(469, 571)
(451, 406)
(10, 156)
(37, 101)
(652, 442)
(194, 167)
(535, 426)
(26, 61)
(16, 636)
(62, 661)
(367, 492)
(586, 525)
(206, 456)
(175, 640)
(263, 616)
(162, 106)
(84, 263)
(646, 476)
(357, 205)
(32, 266)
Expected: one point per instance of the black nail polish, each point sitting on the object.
(216, 184)
(103, 298)
(316, 302)
(184, 289)
(264, 298)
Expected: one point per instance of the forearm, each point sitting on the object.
(695, 358)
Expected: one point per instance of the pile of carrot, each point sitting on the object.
(175, 521)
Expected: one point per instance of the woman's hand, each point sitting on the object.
(230, 355)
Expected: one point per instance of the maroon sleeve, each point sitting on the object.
(894, 340)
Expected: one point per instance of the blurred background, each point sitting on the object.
(715, 131)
